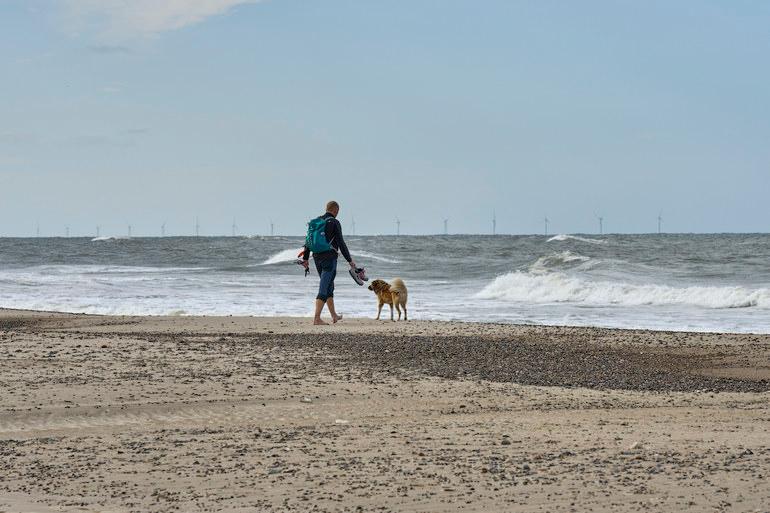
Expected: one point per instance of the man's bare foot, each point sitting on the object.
(337, 318)
(319, 322)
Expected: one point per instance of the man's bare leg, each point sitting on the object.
(332, 311)
(319, 306)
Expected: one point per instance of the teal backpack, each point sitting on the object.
(316, 236)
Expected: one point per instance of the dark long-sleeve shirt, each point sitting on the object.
(335, 240)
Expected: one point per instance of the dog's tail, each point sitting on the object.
(397, 286)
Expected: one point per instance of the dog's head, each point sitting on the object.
(378, 286)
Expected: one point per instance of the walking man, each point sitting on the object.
(324, 240)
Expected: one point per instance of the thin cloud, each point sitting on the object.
(90, 140)
(7, 161)
(126, 19)
(109, 49)
(113, 89)
(16, 138)
(136, 131)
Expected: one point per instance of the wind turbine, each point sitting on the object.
(163, 229)
(98, 230)
(494, 222)
(234, 227)
(660, 220)
(197, 227)
(601, 223)
(37, 228)
(67, 231)
(129, 231)
(398, 226)
(546, 225)
(272, 228)
(446, 229)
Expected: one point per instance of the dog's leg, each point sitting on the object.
(395, 303)
(405, 312)
(379, 311)
(391, 311)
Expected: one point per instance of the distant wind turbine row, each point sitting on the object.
(234, 226)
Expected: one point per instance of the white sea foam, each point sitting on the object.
(560, 288)
(289, 255)
(105, 239)
(563, 237)
(67, 271)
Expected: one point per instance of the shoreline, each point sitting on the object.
(273, 414)
(11, 312)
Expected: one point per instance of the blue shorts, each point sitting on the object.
(327, 270)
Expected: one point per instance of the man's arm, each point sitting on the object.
(337, 237)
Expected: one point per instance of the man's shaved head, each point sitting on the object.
(333, 207)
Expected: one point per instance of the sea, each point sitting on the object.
(703, 282)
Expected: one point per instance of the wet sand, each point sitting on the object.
(245, 414)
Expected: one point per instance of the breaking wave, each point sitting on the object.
(559, 288)
(379, 258)
(562, 237)
(105, 239)
(565, 259)
(289, 255)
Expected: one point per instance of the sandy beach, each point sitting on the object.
(139, 414)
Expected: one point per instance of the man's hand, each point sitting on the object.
(305, 264)
(353, 265)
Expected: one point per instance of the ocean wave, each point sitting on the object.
(557, 261)
(557, 287)
(289, 255)
(77, 275)
(562, 237)
(105, 239)
(379, 258)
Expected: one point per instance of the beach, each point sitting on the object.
(194, 413)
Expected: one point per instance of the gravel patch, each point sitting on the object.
(527, 362)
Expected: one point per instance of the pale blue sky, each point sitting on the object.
(144, 111)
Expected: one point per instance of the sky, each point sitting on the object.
(144, 112)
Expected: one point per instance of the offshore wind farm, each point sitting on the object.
(235, 231)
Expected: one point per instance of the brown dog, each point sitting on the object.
(393, 294)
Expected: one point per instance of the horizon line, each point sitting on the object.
(227, 236)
